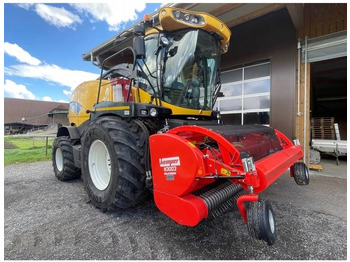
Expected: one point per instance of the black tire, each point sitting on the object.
(120, 181)
(261, 221)
(301, 174)
(63, 160)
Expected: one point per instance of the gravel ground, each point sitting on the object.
(47, 219)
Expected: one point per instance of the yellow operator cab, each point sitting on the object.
(193, 43)
(178, 70)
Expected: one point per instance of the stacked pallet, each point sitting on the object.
(322, 128)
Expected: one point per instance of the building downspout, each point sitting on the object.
(299, 65)
(305, 94)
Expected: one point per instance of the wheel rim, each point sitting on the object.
(59, 159)
(306, 170)
(271, 222)
(99, 165)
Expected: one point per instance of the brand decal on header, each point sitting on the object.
(169, 165)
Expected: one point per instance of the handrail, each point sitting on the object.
(108, 58)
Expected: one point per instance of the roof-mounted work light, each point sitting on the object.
(188, 18)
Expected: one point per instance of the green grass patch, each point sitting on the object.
(26, 149)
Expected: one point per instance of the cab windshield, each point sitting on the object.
(189, 68)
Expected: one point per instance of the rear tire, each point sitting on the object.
(113, 168)
(63, 160)
(261, 221)
(301, 174)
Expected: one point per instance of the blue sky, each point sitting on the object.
(44, 43)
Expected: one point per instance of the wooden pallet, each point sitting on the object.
(322, 128)
(322, 121)
(323, 135)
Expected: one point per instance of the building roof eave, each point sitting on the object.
(231, 14)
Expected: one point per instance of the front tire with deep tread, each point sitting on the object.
(301, 174)
(261, 221)
(123, 144)
(63, 160)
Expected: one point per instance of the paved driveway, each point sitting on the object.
(48, 219)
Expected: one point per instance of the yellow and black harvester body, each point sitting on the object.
(147, 124)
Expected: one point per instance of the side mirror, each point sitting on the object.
(139, 30)
(138, 41)
(139, 47)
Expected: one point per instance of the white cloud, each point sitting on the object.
(26, 6)
(20, 54)
(17, 90)
(59, 17)
(68, 93)
(62, 101)
(47, 98)
(114, 13)
(47, 72)
(52, 73)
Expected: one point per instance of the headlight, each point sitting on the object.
(188, 18)
(153, 112)
(164, 40)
